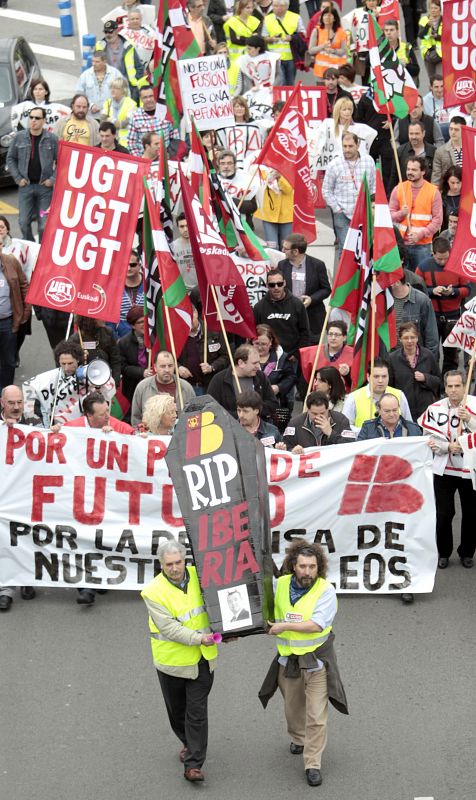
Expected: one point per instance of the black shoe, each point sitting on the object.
(5, 602)
(407, 598)
(28, 592)
(296, 749)
(85, 598)
(443, 562)
(467, 562)
(314, 777)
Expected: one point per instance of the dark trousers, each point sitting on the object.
(186, 702)
(450, 354)
(8, 352)
(446, 487)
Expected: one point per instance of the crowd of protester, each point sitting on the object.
(268, 377)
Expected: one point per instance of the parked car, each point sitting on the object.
(18, 68)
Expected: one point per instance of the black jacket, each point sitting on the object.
(132, 373)
(406, 151)
(216, 356)
(300, 431)
(317, 287)
(106, 349)
(288, 318)
(402, 376)
(222, 389)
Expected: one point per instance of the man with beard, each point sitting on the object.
(416, 208)
(305, 605)
(79, 127)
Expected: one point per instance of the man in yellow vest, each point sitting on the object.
(357, 407)
(305, 606)
(183, 651)
(278, 28)
(417, 208)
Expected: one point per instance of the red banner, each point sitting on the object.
(88, 237)
(389, 9)
(314, 101)
(463, 253)
(459, 53)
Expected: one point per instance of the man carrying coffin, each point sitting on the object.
(183, 651)
(307, 674)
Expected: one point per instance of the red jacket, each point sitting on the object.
(116, 424)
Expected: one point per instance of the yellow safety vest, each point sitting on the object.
(128, 105)
(188, 608)
(362, 404)
(289, 22)
(243, 30)
(291, 642)
(428, 41)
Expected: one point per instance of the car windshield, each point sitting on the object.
(6, 87)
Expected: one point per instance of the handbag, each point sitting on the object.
(432, 57)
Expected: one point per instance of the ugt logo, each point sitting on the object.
(374, 485)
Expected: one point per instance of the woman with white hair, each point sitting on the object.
(159, 416)
(119, 108)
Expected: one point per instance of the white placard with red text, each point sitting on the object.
(80, 508)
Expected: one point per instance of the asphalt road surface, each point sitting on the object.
(82, 715)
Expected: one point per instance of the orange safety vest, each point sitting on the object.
(420, 211)
(324, 60)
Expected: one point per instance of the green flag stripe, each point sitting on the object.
(175, 293)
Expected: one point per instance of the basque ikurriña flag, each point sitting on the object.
(163, 286)
(393, 87)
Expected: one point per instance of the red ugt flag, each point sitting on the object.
(458, 53)
(215, 268)
(84, 253)
(285, 150)
(463, 253)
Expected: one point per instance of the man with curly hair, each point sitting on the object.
(307, 673)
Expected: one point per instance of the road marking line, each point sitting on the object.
(424, 798)
(25, 16)
(81, 19)
(54, 52)
(6, 208)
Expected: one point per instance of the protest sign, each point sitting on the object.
(205, 92)
(89, 233)
(463, 333)
(314, 106)
(53, 111)
(218, 472)
(26, 252)
(260, 69)
(254, 276)
(458, 52)
(243, 140)
(80, 508)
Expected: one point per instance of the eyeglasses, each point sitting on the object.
(32, 116)
(334, 335)
(278, 283)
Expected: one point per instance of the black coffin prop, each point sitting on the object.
(219, 474)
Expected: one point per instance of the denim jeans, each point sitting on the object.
(8, 352)
(288, 73)
(33, 199)
(416, 254)
(276, 232)
(341, 226)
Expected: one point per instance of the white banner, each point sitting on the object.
(254, 276)
(206, 92)
(468, 443)
(78, 508)
(26, 252)
(464, 332)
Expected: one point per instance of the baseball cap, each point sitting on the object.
(110, 26)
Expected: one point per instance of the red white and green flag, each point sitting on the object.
(163, 286)
(174, 41)
(369, 248)
(394, 91)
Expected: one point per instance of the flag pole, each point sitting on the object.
(55, 397)
(468, 382)
(227, 343)
(318, 352)
(205, 339)
(372, 339)
(174, 353)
